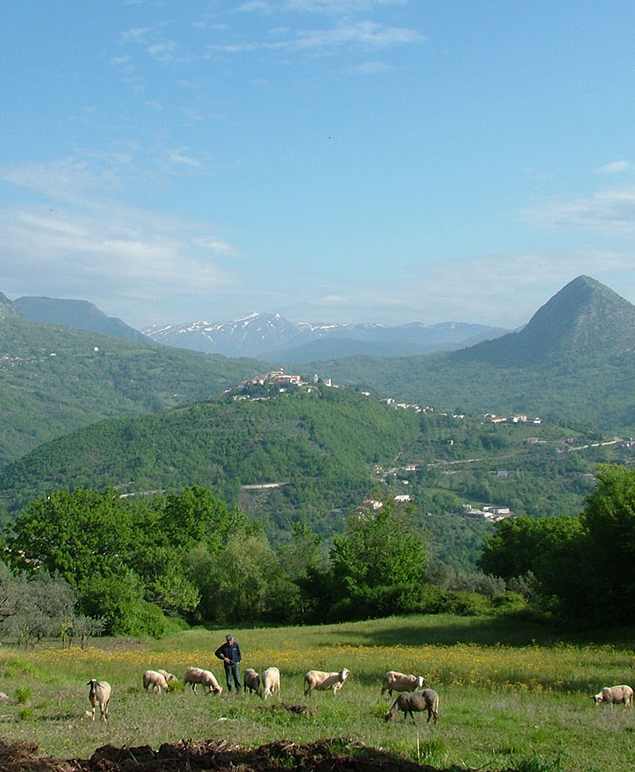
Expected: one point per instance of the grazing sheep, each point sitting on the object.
(270, 683)
(196, 675)
(317, 679)
(169, 677)
(99, 694)
(155, 681)
(615, 695)
(409, 704)
(400, 682)
(251, 681)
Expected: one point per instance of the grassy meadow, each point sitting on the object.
(510, 693)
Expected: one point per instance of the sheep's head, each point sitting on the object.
(345, 674)
(421, 682)
(598, 698)
(389, 716)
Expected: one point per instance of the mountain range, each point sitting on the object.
(573, 361)
(76, 314)
(272, 337)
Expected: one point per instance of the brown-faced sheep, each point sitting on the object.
(409, 704)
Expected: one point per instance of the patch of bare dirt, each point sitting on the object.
(189, 756)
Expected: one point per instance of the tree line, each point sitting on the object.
(577, 569)
(147, 566)
(87, 561)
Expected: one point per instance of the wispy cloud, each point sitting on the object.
(339, 7)
(615, 167)
(364, 34)
(610, 210)
(79, 240)
(371, 68)
(152, 40)
(183, 157)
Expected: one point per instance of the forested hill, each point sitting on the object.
(320, 444)
(55, 380)
(573, 362)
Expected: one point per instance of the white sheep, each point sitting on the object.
(615, 695)
(395, 681)
(196, 675)
(270, 683)
(99, 694)
(251, 681)
(169, 677)
(321, 681)
(155, 681)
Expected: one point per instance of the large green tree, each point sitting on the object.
(377, 562)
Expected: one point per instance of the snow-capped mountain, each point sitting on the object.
(271, 336)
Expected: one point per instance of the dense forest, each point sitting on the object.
(319, 446)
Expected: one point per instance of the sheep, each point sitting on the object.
(196, 675)
(251, 681)
(169, 677)
(615, 695)
(400, 682)
(410, 704)
(317, 679)
(99, 694)
(155, 681)
(270, 683)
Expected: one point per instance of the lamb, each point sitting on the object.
(410, 704)
(99, 694)
(270, 683)
(399, 682)
(321, 681)
(196, 675)
(615, 695)
(251, 681)
(155, 681)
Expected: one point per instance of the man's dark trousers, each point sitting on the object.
(232, 675)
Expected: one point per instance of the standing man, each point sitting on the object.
(229, 652)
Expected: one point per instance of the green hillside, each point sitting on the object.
(320, 445)
(573, 362)
(55, 380)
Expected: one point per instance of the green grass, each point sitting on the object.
(511, 694)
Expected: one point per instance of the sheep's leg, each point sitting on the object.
(92, 712)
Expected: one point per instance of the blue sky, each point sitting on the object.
(383, 160)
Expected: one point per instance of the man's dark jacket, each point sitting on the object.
(231, 651)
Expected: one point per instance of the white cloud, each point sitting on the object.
(372, 68)
(182, 157)
(339, 7)
(216, 246)
(610, 210)
(365, 34)
(81, 244)
(614, 167)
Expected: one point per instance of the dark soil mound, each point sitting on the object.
(188, 756)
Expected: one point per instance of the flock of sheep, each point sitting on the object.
(408, 702)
